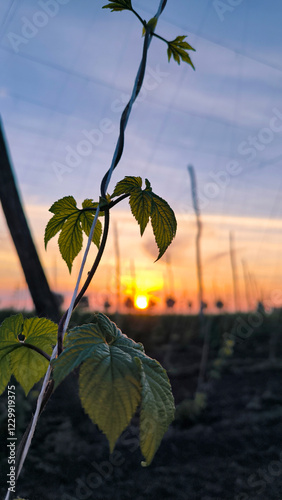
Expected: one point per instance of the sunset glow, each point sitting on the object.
(141, 302)
(152, 280)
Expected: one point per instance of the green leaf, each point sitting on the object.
(157, 403)
(71, 221)
(115, 377)
(140, 204)
(112, 378)
(178, 49)
(109, 385)
(127, 185)
(118, 5)
(146, 205)
(148, 185)
(62, 209)
(157, 407)
(25, 364)
(79, 344)
(86, 222)
(5, 373)
(10, 330)
(163, 222)
(65, 205)
(70, 239)
(109, 329)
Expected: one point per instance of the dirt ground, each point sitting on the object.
(231, 451)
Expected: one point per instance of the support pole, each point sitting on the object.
(198, 237)
(204, 326)
(117, 254)
(234, 271)
(43, 299)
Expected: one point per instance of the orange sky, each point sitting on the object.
(257, 242)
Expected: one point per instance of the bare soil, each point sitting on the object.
(231, 451)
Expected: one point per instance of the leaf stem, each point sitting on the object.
(160, 37)
(21, 446)
(98, 257)
(44, 396)
(139, 17)
(110, 205)
(37, 349)
(122, 197)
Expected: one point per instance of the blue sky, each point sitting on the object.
(72, 75)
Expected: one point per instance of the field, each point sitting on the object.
(228, 450)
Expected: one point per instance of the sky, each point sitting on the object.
(68, 68)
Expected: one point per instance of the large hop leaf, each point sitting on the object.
(27, 365)
(115, 377)
(147, 205)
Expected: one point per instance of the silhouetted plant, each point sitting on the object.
(219, 304)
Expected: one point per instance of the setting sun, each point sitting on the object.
(141, 302)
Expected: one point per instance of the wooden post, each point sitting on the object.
(234, 272)
(133, 280)
(117, 254)
(247, 285)
(198, 237)
(44, 300)
(204, 326)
